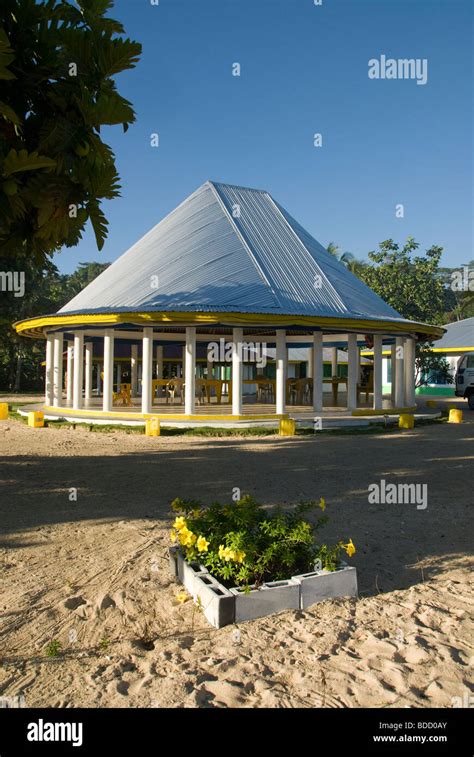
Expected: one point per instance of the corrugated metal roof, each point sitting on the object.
(230, 249)
(458, 335)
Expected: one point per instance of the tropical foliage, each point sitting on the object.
(46, 290)
(409, 283)
(57, 63)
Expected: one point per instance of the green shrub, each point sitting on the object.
(244, 544)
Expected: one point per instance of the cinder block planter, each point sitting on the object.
(270, 598)
(222, 606)
(326, 584)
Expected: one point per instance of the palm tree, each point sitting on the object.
(346, 258)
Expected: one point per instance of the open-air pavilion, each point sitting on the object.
(227, 311)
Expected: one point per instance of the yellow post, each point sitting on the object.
(36, 419)
(152, 427)
(406, 420)
(3, 411)
(455, 415)
(287, 427)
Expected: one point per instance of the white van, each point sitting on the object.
(465, 378)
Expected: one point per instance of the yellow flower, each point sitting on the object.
(182, 597)
(186, 537)
(350, 548)
(202, 544)
(173, 536)
(228, 554)
(179, 523)
(322, 504)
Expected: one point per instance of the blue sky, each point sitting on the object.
(304, 69)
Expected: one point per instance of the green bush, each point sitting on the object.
(244, 544)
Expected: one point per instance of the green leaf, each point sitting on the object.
(99, 223)
(116, 55)
(7, 56)
(9, 114)
(16, 162)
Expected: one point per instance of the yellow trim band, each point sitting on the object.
(33, 327)
(452, 349)
(162, 418)
(392, 411)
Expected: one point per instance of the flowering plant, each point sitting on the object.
(242, 543)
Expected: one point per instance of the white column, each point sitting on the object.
(237, 339)
(310, 361)
(134, 370)
(147, 367)
(317, 371)
(409, 353)
(78, 370)
(107, 402)
(159, 367)
(89, 350)
(48, 382)
(189, 352)
(393, 369)
(58, 370)
(333, 361)
(159, 361)
(69, 370)
(399, 373)
(281, 364)
(377, 397)
(352, 371)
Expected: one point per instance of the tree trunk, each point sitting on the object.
(19, 361)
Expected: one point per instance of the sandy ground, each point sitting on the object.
(93, 573)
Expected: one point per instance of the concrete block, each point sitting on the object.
(327, 584)
(406, 420)
(173, 561)
(217, 602)
(152, 427)
(187, 572)
(287, 427)
(36, 419)
(272, 597)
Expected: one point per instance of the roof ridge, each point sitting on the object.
(244, 242)
(236, 186)
(338, 296)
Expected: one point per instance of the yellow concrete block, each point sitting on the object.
(455, 415)
(431, 403)
(406, 420)
(36, 419)
(3, 411)
(152, 427)
(287, 427)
